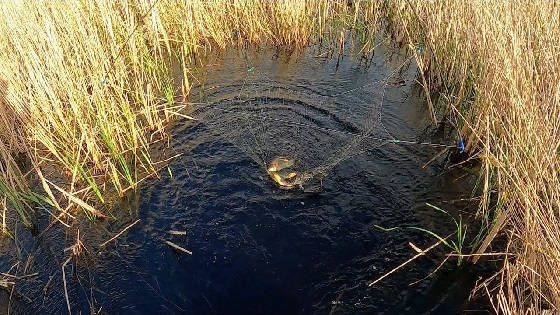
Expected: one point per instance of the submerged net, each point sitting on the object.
(296, 132)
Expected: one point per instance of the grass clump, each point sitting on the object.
(497, 65)
(86, 87)
(74, 99)
(456, 246)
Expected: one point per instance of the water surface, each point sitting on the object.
(258, 249)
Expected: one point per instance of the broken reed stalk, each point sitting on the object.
(177, 247)
(65, 287)
(175, 232)
(421, 253)
(119, 234)
(7, 275)
(47, 285)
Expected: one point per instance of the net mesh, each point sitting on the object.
(267, 119)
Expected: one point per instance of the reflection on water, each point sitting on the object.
(258, 249)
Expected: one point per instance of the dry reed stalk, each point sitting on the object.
(419, 254)
(175, 232)
(81, 87)
(499, 65)
(64, 283)
(177, 247)
(120, 233)
(82, 84)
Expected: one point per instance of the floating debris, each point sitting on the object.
(177, 247)
(119, 234)
(174, 232)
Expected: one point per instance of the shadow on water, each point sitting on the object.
(258, 249)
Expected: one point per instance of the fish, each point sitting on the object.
(280, 163)
(291, 175)
(288, 181)
(278, 169)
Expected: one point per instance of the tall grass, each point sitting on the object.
(497, 66)
(86, 87)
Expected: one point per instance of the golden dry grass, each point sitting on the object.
(498, 63)
(86, 87)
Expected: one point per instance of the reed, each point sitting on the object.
(77, 96)
(496, 66)
(86, 87)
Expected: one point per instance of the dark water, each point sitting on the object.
(258, 249)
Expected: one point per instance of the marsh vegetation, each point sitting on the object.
(87, 88)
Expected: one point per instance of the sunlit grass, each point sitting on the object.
(497, 66)
(86, 87)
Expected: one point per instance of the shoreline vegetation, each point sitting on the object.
(87, 87)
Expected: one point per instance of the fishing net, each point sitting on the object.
(296, 132)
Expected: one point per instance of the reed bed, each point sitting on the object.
(496, 65)
(86, 87)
